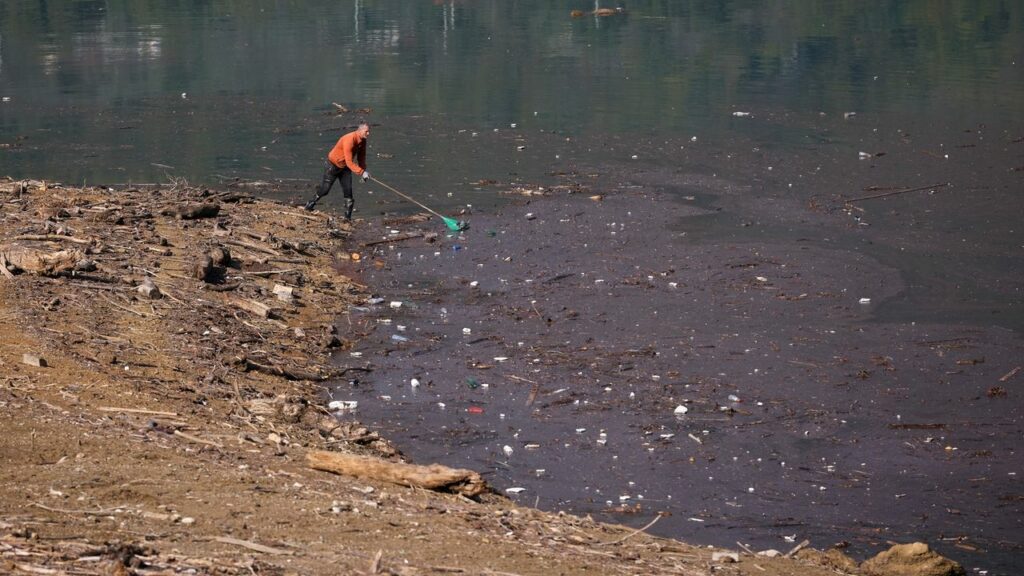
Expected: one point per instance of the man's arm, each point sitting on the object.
(355, 168)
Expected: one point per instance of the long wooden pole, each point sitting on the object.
(895, 192)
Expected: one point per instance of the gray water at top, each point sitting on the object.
(107, 91)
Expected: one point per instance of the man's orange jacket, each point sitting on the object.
(349, 146)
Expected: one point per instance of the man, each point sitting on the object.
(347, 157)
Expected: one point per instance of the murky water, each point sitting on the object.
(106, 91)
(783, 97)
(102, 90)
(736, 384)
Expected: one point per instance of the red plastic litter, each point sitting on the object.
(475, 410)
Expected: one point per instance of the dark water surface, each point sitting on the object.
(106, 92)
(801, 104)
(99, 90)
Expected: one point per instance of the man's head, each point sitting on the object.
(363, 130)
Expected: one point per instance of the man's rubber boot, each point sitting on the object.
(350, 203)
(312, 203)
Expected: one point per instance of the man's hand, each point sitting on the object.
(366, 175)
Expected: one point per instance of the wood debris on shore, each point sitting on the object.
(179, 289)
(91, 253)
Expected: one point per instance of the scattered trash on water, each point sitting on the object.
(741, 114)
(734, 398)
(725, 557)
(467, 331)
(865, 300)
(514, 490)
(507, 450)
(340, 405)
(396, 304)
(680, 410)
(863, 155)
(374, 301)
(414, 383)
(399, 338)
(475, 410)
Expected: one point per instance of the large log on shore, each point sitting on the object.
(193, 211)
(39, 261)
(433, 477)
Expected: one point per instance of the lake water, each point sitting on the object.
(818, 101)
(107, 91)
(103, 90)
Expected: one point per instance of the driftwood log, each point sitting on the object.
(193, 211)
(3, 267)
(202, 268)
(39, 261)
(255, 307)
(433, 477)
(248, 365)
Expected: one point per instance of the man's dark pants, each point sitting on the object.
(332, 173)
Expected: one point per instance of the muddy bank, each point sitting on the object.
(162, 356)
(609, 353)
